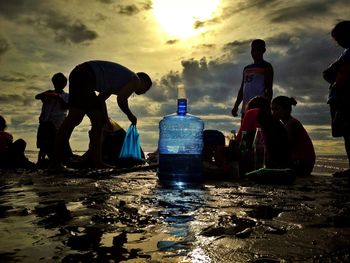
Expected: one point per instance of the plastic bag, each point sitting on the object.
(131, 148)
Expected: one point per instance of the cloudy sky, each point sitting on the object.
(203, 44)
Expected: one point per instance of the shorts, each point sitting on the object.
(46, 136)
(82, 86)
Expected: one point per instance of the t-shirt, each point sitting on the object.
(301, 144)
(110, 76)
(254, 81)
(275, 136)
(54, 107)
(249, 123)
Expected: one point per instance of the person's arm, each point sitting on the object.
(45, 94)
(249, 123)
(292, 128)
(269, 83)
(238, 100)
(123, 96)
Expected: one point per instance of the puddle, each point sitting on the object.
(131, 218)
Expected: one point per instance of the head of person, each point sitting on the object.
(59, 81)
(145, 83)
(2, 123)
(260, 103)
(341, 33)
(281, 107)
(258, 48)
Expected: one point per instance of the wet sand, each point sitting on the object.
(131, 218)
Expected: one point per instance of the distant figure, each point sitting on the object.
(258, 115)
(106, 78)
(53, 112)
(338, 75)
(12, 153)
(257, 78)
(302, 149)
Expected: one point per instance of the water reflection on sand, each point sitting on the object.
(132, 218)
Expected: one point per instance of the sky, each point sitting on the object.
(203, 44)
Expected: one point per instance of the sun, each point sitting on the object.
(177, 17)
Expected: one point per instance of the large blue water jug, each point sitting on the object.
(180, 146)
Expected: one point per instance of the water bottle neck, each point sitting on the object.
(181, 107)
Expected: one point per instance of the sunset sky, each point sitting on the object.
(203, 44)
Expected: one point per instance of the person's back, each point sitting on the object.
(5, 137)
(54, 102)
(301, 144)
(302, 149)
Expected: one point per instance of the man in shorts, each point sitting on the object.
(257, 78)
(107, 78)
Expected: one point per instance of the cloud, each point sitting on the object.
(4, 46)
(106, 1)
(203, 23)
(303, 11)
(64, 29)
(298, 58)
(12, 79)
(11, 9)
(128, 10)
(172, 41)
(133, 9)
(42, 17)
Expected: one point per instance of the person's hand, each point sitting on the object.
(132, 119)
(234, 112)
(50, 93)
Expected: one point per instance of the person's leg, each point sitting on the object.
(98, 120)
(74, 118)
(347, 146)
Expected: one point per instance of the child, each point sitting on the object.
(302, 149)
(106, 78)
(258, 115)
(53, 112)
(338, 75)
(257, 78)
(12, 153)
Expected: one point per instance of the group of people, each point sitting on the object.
(62, 112)
(106, 136)
(287, 142)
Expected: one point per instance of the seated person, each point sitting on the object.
(112, 141)
(212, 140)
(302, 149)
(12, 153)
(258, 115)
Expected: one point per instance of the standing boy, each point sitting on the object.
(53, 112)
(257, 78)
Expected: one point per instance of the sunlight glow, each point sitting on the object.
(178, 17)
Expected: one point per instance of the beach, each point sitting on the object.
(130, 217)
